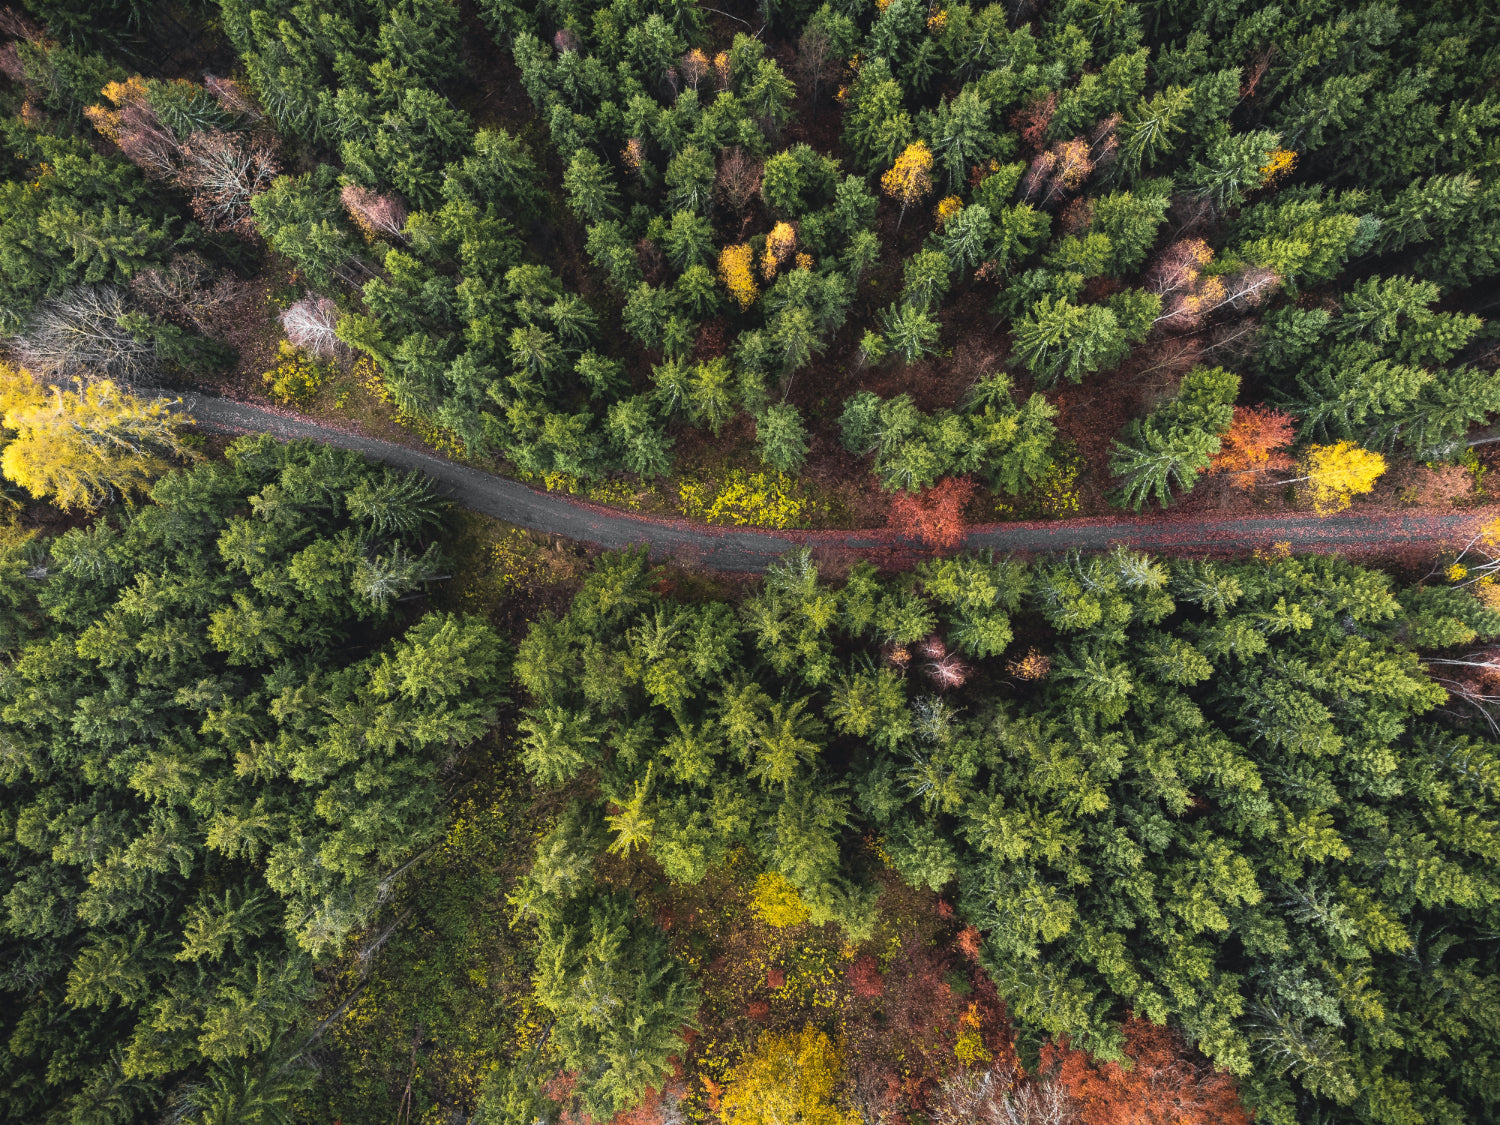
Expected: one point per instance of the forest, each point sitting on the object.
(323, 799)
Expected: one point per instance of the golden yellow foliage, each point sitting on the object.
(1281, 162)
(1338, 473)
(737, 273)
(786, 1080)
(937, 21)
(79, 448)
(970, 1049)
(776, 902)
(947, 207)
(780, 244)
(910, 178)
(804, 261)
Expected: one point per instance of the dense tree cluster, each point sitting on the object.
(1106, 175)
(1223, 802)
(224, 737)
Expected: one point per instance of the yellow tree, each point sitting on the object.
(80, 448)
(786, 1080)
(737, 272)
(1335, 474)
(910, 178)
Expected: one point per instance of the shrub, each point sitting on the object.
(295, 379)
(776, 902)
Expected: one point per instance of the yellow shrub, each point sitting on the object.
(445, 441)
(947, 207)
(296, 378)
(754, 500)
(786, 1080)
(776, 902)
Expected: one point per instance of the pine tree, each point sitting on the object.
(1150, 462)
(591, 190)
(782, 438)
(1057, 339)
(911, 332)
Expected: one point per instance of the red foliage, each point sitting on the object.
(1254, 444)
(656, 1108)
(775, 978)
(758, 1010)
(865, 978)
(1430, 486)
(1032, 121)
(1167, 1085)
(935, 515)
(944, 909)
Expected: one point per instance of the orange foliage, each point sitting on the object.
(935, 515)
(1254, 444)
(1032, 121)
(1165, 1086)
(969, 942)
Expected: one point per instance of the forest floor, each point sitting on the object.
(1397, 536)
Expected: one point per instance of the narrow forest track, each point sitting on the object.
(1414, 534)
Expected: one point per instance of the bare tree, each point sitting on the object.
(814, 53)
(1001, 1096)
(738, 181)
(224, 172)
(186, 292)
(80, 335)
(146, 142)
(232, 96)
(375, 213)
(309, 324)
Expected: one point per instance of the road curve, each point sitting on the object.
(728, 549)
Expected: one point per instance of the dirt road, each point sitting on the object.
(744, 550)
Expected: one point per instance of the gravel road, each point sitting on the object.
(731, 550)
